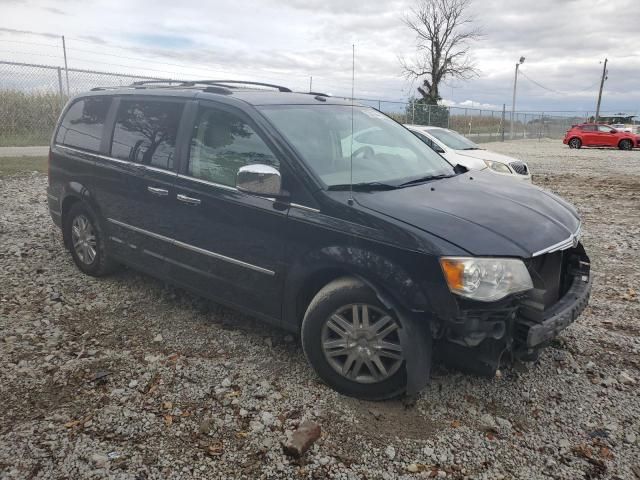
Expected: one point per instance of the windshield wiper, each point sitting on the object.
(424, 179)
(472, 148)
(364, 186)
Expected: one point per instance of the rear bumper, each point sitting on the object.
(563, 313)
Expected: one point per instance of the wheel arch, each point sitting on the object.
(393, 285)
(73, 193)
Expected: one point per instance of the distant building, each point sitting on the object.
(617, 118)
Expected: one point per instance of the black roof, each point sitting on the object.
(249, 92)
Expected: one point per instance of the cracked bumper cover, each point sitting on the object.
(563, 313)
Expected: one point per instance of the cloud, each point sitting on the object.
(288, 41)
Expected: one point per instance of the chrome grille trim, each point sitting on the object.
(570, 242)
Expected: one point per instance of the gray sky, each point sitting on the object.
(287, 41)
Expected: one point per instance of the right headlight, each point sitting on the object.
(485, 279)
(497, 166)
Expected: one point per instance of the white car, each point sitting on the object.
(457, 149)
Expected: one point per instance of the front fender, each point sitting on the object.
(387, 277)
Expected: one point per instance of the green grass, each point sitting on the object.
(25, 139)
(17, 165)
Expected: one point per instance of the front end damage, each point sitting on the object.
(484, 335)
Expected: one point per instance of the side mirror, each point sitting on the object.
(259, 179)
(613, 130)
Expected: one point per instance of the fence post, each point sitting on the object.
(379, 109)
(60, 88)
(504, 109)
(413, 112)
(429, 116)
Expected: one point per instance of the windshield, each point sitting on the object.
(384, 152)
(453, 139)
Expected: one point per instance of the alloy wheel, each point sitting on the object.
(361, 342)
(83, 239)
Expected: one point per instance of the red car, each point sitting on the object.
(599, 135)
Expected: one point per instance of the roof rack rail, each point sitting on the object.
(99, 89)
(225, 83)
(142, 83)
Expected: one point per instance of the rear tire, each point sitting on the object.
(625, 144)
(575, 143)
(356, 352)
(87, 241)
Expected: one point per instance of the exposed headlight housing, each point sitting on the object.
(498, 167)
(485, 279)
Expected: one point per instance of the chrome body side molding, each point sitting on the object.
(193, 248)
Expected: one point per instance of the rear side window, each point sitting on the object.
(145, 132)
(588, 128)
(221, 144)
(82, 125)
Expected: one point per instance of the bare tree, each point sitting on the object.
(443, 32)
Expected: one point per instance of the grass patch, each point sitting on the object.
(15, 165)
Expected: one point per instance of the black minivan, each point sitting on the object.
(323, 217)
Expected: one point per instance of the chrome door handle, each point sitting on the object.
(161, 192)
(189, 200)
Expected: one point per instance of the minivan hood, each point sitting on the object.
(486, 155)
(480, 215)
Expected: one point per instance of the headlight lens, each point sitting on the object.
(497, 166)
(485, 279)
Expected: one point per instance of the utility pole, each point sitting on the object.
(513, 101)
(604, 77)
(310, 84)
(66, 69)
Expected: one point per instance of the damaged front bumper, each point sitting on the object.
(481, 336)
(561, 315)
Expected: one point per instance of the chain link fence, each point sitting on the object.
(31, 97)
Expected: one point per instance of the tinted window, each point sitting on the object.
(145, 132)
(604, 128)
(588, 128)
(83, 122)
(221, 144)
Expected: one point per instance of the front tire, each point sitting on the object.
(352, 341)
(575, 143)
(86, 240)
(625, 144)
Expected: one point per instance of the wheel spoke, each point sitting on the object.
(355, 318)
(357, 366)
(376, 367)
(365, 317)
(384, 327)
(91, 253)
(387, 354)
(75, 230)
(339, 325)
(395, 347)
(348, 363)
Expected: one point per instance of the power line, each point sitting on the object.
(554, 90)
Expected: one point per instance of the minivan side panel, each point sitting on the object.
(349, 241)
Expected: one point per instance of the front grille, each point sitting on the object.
(552, 274)
(520, 168)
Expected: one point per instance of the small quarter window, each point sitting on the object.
(146, 131)
(83, 123)
(221, 144)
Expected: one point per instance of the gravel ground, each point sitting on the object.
(125, 377)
